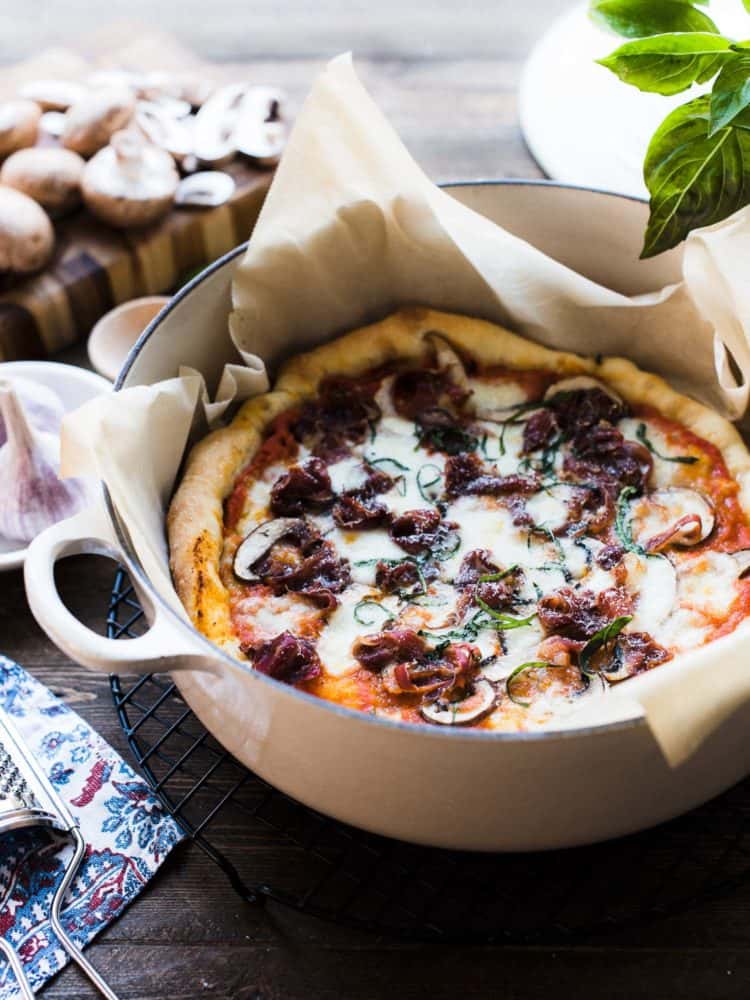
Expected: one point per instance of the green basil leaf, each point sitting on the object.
(668, 64)
(645, 440)
(695, 179)
(639, 18)
(731, 92)
(601, 638)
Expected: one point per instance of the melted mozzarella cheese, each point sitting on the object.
(337, 639)
(520, 647)
(653, 582)
(549, 507)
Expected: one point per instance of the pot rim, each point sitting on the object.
(216, 653)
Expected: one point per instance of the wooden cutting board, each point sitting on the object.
(96, 267)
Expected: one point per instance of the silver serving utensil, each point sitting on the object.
(28, 799)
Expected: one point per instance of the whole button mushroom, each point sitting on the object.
(19, 123)
(53, 95)
(92, 121)
(52, 177)
(131, 182)
(26, 236)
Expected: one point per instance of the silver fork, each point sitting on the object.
(28, 799)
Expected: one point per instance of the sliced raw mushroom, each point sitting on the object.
(19, 124)
(215, 124)
(260, 132)
(53, 123)
(259, 541)
(206, 189)
(52, 177)
(92, 121)
(653, 582)
(742, 558)
(131, 182)
(53, 95)
(26, 236)
(163, 129)
(459, 713)
(675, 515)
(120, 79)
(448, 361)
(581, 382)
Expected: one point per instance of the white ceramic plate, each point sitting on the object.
(582, 124)
(74, 386)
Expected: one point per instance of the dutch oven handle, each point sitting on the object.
(163, 648)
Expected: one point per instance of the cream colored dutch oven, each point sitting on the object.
(459, 789)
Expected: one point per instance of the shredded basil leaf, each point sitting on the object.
(531, 665)
(360, 614)
(622, 522)
(423, 486)
(453, 439)
(392, 461)
(492, 577)
(601, 638)
(503, 622)
(682, 459)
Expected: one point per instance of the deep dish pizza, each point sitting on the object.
(434, 520)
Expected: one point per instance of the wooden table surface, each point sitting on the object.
(447, 75)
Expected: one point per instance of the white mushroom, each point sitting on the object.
(53, 95)
(259, 132)
(164, 129)
(459, 713)
(53, 123)
(26, 236)
(675, 515)
(742, 558)
(214, 132)
(91, 122)
(259, 541)
(191, 89)
(130, 183)
(448, 361)
(19, 124)
(578, 382)
(206, 189)
(52, 177)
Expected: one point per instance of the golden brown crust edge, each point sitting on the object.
(195, 517)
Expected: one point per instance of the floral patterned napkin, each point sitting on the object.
(128, 835)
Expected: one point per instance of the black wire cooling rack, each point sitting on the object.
(316, 865)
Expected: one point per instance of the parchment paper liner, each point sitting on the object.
(351, 229)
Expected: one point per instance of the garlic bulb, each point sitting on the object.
(32, 497)
(42, 405)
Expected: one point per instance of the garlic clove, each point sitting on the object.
(42, 406)
(33, 496)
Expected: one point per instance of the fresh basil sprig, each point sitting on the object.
(697, 167)
(640, 18)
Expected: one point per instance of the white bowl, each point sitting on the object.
(74, 386)
(113, 337)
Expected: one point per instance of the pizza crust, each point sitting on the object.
(195, 517)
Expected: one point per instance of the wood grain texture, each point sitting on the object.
(446, 75)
